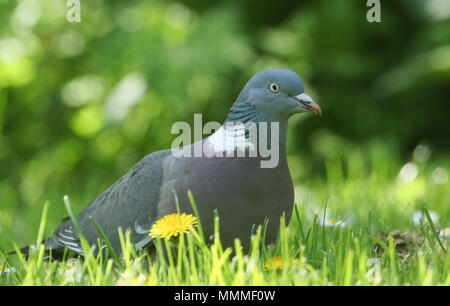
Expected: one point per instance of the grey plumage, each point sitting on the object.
(243, 193)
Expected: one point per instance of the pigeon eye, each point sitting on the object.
(274, 87)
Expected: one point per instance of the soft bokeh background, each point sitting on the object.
(81, 103)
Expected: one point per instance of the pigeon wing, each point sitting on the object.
(130, 204)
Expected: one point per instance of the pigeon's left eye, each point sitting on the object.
(274, 87)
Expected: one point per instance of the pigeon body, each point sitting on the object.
(243, 192)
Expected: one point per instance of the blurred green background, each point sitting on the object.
(81, 103)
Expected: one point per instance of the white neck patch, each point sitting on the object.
(231, 136)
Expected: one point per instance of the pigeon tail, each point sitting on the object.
(52, 248)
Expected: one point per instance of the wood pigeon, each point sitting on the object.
(226, 177)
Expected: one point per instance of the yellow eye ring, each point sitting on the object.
(274, 87)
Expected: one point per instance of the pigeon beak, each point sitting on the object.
(308, 103)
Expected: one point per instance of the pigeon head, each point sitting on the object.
(272, 95)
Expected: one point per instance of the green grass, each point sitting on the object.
(377, 242)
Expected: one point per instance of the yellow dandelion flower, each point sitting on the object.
(6, 270)
(136, 281)
(276, 263)
(445, 232)
(143, 280)
(151, 281)
(171, 225)
(330, 222)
